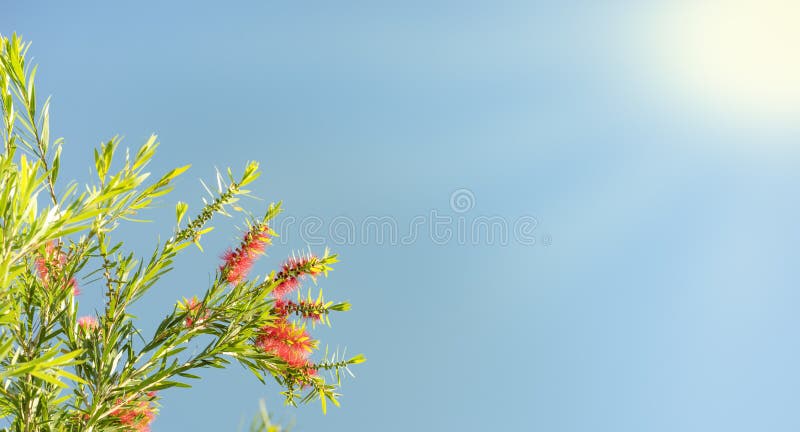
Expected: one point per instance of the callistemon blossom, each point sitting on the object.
(137, 416)
(88, 323)
(51, 264)
(237, 263)
(288, 341)
(292, 271)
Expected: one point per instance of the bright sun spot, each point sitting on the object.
(740, 58)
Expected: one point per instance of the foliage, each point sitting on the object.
(62, 372)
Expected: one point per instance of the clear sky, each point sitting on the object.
(643, 157)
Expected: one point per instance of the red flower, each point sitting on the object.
(88, 323)
(288, 341)
(137, 416)
(282, 308)
(237, 263)
(51, 264)
(293, 269)
(286, 286)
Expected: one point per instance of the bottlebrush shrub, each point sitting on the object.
(61, 371)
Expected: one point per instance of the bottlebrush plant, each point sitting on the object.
(63, 371)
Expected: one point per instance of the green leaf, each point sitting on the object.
(180, 211)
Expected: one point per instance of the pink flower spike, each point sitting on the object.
(285, 287)
(136, 417)
(88, 323)
(237, 263)
(51, 264)
(292, 271)
(288, 341)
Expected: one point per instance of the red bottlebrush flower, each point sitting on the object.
(288, 341)
(88, 323)
(292, 271)
(51, 263)
(137, 416)
(282, 308)
(285, 287)
(237, 263)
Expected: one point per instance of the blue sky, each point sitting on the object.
(660, 291)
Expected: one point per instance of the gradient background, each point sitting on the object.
(655, 142)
